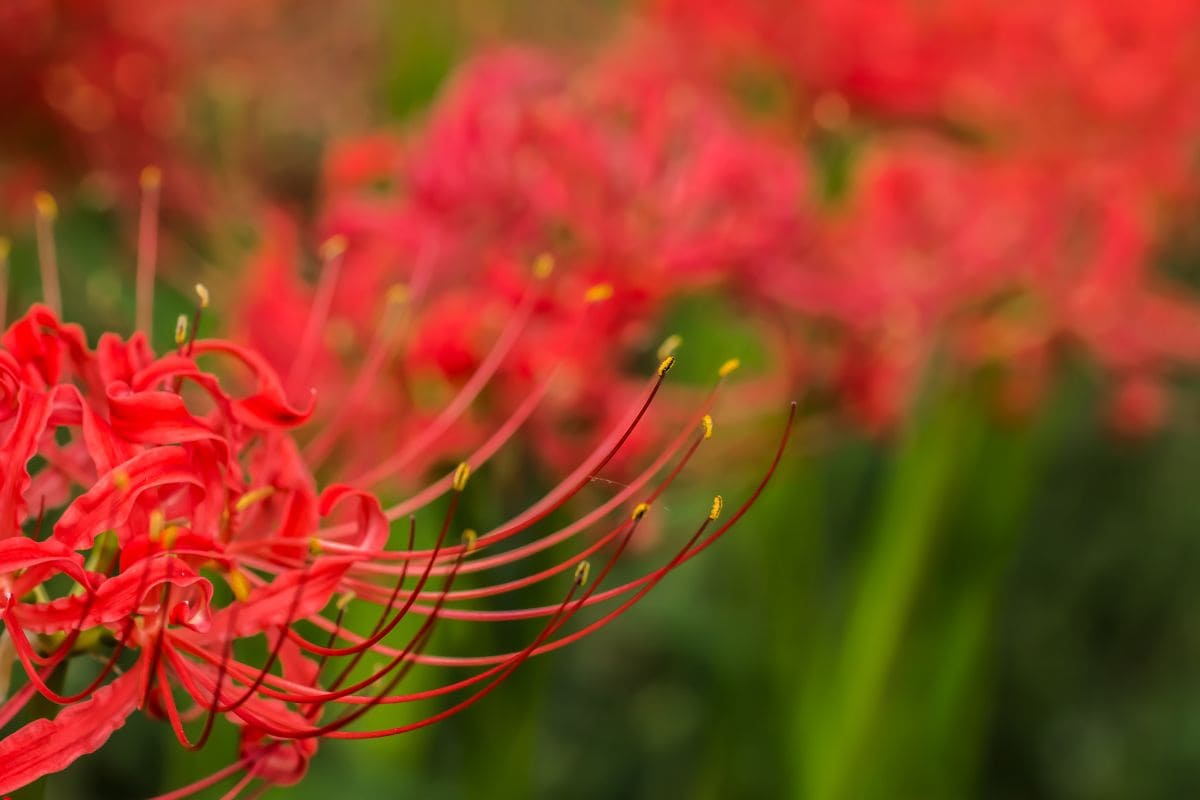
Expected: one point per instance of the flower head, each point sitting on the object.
(187, 519)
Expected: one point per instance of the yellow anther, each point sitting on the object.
(639, 511)
(346, 599)
(669, 345)
(707, 424)
(239, 583)
(729, 366)
(253, 496)
(151, 177)
(5, 248)
(158, 521)
(469, 538)
(543, 266)
(461, 473)
(315, 547)
(598, 293)
(181, 326)
(666, 365)
(332, 247)
(169, 535)
(121, 480)
(397, 294)
(202, 294)
(718, 504)
(582, 572)
(44, 203)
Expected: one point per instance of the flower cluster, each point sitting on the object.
(186, 521)
(1017, 169)
(642, 189)
(971, 224)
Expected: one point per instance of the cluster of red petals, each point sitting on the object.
(641, 187)
(185, 519)
(149, 492)
(1018, 168)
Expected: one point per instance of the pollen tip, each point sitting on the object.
(639, 511)
(344, 600)
(202, 294)
(333, 247)
(397, 294)
(718, 503)
(598, 293)
(729, 367)
(469, 538)
(44, 203)
(707, 424)
(121, 480)
(239, 584)
(157, 522)
(461, 473)
(181, 327)
(151, 177)
(666, 365)
(669, 345)
(315, 547)
(5, 248)
(582, 572)
(543, 266)
(253, 496)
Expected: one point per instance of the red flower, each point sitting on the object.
(1015, 170)
(190, 520)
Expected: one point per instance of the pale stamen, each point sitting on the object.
(147, 247)
(332, 252)
(47, 211)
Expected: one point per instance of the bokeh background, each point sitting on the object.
(962, 236)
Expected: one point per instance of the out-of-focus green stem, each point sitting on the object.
(919, 481)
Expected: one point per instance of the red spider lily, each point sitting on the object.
(1018, 166)
(642, 186)
(187, 521)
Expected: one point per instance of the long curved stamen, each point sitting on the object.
(204, 783)
(567, 488)
(540, 544)
(516, 660)
(381, 632)
(608, 594)
(382, 626)
(403, 611)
